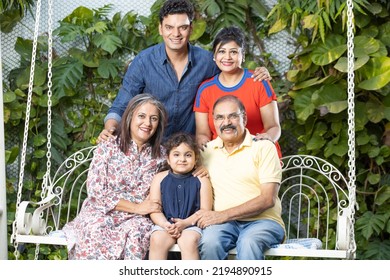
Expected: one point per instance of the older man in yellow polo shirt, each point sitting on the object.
(245, 175)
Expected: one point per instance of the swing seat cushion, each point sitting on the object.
(301, 243)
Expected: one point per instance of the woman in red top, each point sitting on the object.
(258, 98)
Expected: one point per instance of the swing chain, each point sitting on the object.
(46, 179)
(351, 127)
(26, 127)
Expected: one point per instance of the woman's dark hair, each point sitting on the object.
(176, 140)
(124, 134)
(229, 34)
(172, 7)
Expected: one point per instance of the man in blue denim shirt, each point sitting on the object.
(171, 71)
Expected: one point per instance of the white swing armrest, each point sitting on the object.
(24, 220)
(38, 225)
(27, 222)
(343, 223)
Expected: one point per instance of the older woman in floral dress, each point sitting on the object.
(113, 222)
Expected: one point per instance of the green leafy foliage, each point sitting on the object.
(319, 100)
(12, 11)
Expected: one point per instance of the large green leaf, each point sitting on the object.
(378, 250)
(89, 59)
(381, 52)
(8, 20)
(11, 155)
(278, 26)
(67, 76)
(361, 118)
(59, 142)
(23, 78)
(211, 7)
(309, 83)
(375, 110)
(333, 107)
(108, 67)
(384, 33)
(330, 98)
(39, 75)
(342, 63)
(327, 52)
(303, 105)
(98, 27)
(58, 126)
(39, 140)
(80, 16)
(316, 142)
(371, 223)
(337, 146)
(309, 21)
(24, 48)
(370, 31)
(386, 103)
(9, 96)
(373, 178)
(376, 73)
(108, 42)
(364, 46)
(329, 93)
(68, 32)
(259, 8)
(362, 138)
(383, 195)
(199, 27)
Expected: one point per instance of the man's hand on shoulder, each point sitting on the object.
(109, 131)
(260, 74)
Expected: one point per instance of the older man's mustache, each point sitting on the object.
(229, 126)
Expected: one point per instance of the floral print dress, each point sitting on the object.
(100, 232)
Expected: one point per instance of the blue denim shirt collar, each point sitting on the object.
(164, 57)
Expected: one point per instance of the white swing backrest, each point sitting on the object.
(313, 194)
(68, 189)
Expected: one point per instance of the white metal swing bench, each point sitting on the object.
(318, 202)
(307, 181)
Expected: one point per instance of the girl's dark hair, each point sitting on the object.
(229, 34)
(124, 134)
(172, 7)
(176, 140)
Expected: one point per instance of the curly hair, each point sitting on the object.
(172, 7)
(178, 138)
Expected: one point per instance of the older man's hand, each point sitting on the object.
(207, 218)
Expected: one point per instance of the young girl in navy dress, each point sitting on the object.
(181, 195)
